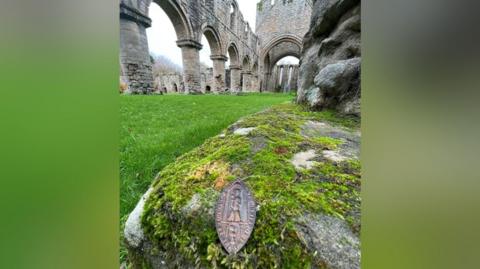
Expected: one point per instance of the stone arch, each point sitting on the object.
(218, 59)
(255, 68)
(283, 55)
(181, 20)
(233, 54)
(213, 39)
(276, 41)
(235, 68)
(176, 14)
(274, 50)
(233, 12)
(246, 63)
(191, 19)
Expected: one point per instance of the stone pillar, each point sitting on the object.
(235, 78)
(135, 60)
(273, 79)
(218, 72)
(266, 82)
(284, 79)
(191, 65)
(246, 85)
(294, 82)
(255, 83)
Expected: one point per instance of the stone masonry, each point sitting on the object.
(169, 83)
(173, 82)
(281, 25)
(284, 78)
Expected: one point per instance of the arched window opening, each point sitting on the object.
(205, 54)
(166, 55)
(207, 89)
(290, 70)
(288, 78)
(272, 2)
(246, 64)
(288, 60)
(233, 61)
(175, 88)
(233, 16)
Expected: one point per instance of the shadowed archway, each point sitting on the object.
(276, 49)
(235, 68)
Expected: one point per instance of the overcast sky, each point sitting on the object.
(162, 37)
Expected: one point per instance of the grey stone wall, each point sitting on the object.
(279, 31)
(173, 82)
(281, 26)
(284, 77)
(283, 17)
(207, 80)
(191, 19)
(169, 83)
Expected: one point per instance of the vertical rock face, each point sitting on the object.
(331, 58)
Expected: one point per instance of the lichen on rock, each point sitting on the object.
(178, 219)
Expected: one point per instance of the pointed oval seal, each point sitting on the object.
(235, 215)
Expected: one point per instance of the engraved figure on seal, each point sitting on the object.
(235, 203)
(235, 215)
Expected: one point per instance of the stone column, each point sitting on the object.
(273, 79)
(218, 72)
(135, 62)
(284, 80)
(266, 82)
(246, 81)
(235, 78)
(255, 83)
(191, 65)
(294, 82)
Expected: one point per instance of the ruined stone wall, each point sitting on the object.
(284, 77)
(281, 26)
(135, 63)
(169, 83)
(279, 31)
(281, 18)
(207, 80)
(191, 20)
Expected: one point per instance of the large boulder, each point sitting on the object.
(330, 62)
(303, 171)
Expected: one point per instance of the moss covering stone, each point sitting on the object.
(178, 216)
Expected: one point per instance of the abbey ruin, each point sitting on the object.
(280, 28)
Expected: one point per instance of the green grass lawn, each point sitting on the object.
(157, 129)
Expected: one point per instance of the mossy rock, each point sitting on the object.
(306, 218)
